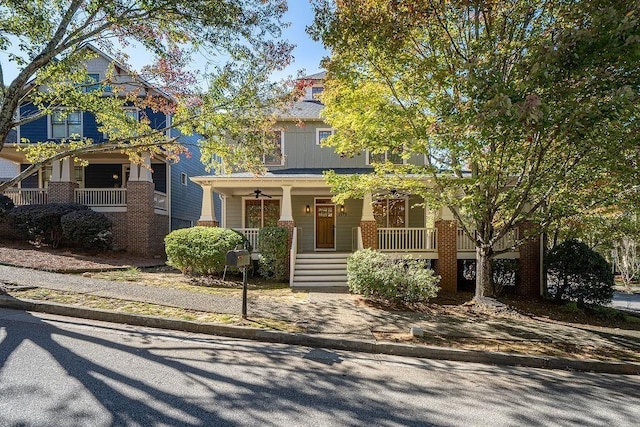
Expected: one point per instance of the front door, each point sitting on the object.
(325, 226)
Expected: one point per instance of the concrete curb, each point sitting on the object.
(426, 352)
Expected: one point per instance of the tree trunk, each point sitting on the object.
(484, 259)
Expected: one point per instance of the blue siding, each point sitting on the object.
(186, 201)
(35, 131)
(90, 127)
(158, 120)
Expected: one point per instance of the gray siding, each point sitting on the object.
(234, 212)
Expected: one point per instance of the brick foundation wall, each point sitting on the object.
(119, 229)
(369, 231)
(289, 226)
(447, 265)
(529, 263)
(161, 230)
(209, 223)
(61, 192)
(142, 238)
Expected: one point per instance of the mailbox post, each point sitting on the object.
(241, 258)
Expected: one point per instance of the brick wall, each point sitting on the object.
(447, 265)
(369, 231)
(141, 223)
(119, 229)
(161, 229)
(61, 192)
(529, 263)
(209, 223)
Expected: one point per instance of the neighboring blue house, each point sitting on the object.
(144, 203)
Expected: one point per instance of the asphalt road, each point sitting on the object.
(57, 371)
(630, 302)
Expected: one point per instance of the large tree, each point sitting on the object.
(47, 39)
(525, 111)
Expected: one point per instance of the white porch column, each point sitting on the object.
(133, 172)
(67, 174)
(145, 169)
(56, 171)
(207, 213)
(286, 213)
(367, 208)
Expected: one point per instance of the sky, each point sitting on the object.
(307, 54)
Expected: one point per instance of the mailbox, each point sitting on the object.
(238, 258)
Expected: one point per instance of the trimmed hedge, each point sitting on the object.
(373, 274)
(273, 248)
(87, 229)
(578, 273)
(200, 250)
(42, 223)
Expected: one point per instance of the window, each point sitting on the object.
(275, 156)
(322, 134)
(315, 92)
(47, 171)
(390, 213)
(66, 124)
(261, 213)
(387, 156)
(93, 83)
(183, 178)
(132, 113)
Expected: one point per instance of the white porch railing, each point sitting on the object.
(27, 196)
(407, 239)
(252, 236)
(465, 244)
(101, 196)
(160, 201)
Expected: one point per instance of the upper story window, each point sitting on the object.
(316, 91)
(132, 113)
(322, 134)
(65, 124)
(387, 156)
(390, 213)
(261, 213)
(93, 83)
(275, 156)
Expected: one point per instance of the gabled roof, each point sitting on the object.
(317, 76)
(303, 110)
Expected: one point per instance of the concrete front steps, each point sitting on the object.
(321, 270)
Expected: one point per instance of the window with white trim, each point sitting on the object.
(316, 91)
(260, 213)
(275, 156)
(322, 134)
(65, 124)
(183, 178)
(387, 156)
(391, 212)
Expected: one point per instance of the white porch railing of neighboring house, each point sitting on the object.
(465, 244)
(407, 239)
(106, 197)
(27, 196)
(293, 254)
(252, 236)
(160, 201)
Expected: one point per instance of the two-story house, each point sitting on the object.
(144, 202)
(293, 194)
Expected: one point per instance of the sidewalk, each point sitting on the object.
(340, 316)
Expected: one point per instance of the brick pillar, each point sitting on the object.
(447, 266)
(289, 226)
(141, 236)
(369, 234)
(529, 263)
(61, 192)
(209, 223)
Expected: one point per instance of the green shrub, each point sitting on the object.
(6, 205)
(42, 223)
(373, 274)
(200, 250)
(577, 273)
(273, 248)
(87, 229)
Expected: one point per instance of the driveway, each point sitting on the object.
(624, 301)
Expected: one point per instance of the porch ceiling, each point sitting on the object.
(242, 186)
